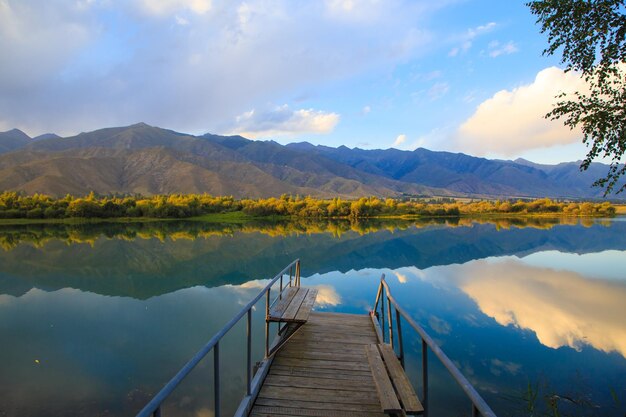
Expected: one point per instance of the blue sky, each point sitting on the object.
(458, 75)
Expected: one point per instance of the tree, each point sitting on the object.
(592, 37)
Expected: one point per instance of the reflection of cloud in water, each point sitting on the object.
(608, 264)
(439, 325)
(561, 307)
(402, 279)
(498, 366)
(205, 412)
(6, 300)
(327, 296)
(259, 283)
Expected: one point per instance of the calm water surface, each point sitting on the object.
(94, 319)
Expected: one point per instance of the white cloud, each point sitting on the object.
(513, 121)
(496, 48)
(76, 66)
(366, 110)
(355, 10)
(399, 140)
(282, 121)
(438, 90)
(181, 21)
(165, 7)
(37, 40)
(466, 40)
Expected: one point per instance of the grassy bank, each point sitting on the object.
(18, 208)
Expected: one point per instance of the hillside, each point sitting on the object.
(149, 160)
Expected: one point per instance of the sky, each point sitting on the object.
(449, 75)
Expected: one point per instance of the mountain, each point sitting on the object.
(127, 263)
(469, 175)
(47, 136)
(148, 160)
(13, 139)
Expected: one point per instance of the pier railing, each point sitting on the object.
(153, 408)
(479, 406)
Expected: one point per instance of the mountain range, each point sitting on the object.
(142, 159)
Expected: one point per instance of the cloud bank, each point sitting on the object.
(513, 121)
(561, 307)
(282, 121)
(189, 65)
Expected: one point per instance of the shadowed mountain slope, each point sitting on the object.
(149, 160)
(13, 139)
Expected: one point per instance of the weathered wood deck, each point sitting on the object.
(322, 371)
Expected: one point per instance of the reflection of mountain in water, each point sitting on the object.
(140, 265)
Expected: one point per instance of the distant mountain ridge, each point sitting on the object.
(148, 160)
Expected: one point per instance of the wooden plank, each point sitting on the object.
(410, 403)
(294, 305)
(307, 304)
(388, 399)
(321, 383)
(264, 411)
(346, 375)
(358, 366)
(319, 395)
(305, 336)
(326, 346)
(359, 321)
(316, 405)
(377, 329)
(277, 310)
(341, 315)
(329, 356)
(340, 328)
(334, 336)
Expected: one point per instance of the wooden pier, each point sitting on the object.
(324, 364)
(322, 370)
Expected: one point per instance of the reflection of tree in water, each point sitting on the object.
(540, 398)
(40, 234)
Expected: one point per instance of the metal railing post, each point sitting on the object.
(267, 323)
(389, 321)
(157, 412)
(298, 273)
(382, 314)
(400, 345)
(280, 294)
(216, 377)
(378, 295)
(249, 355)
(475, 412)
(425, 377)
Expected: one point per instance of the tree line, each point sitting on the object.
(178, 206)
(40, 234)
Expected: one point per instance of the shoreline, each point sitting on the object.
(241, 218)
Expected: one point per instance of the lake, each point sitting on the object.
(95, 318)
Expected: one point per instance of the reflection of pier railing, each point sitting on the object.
(253, 382)
(479, 406)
